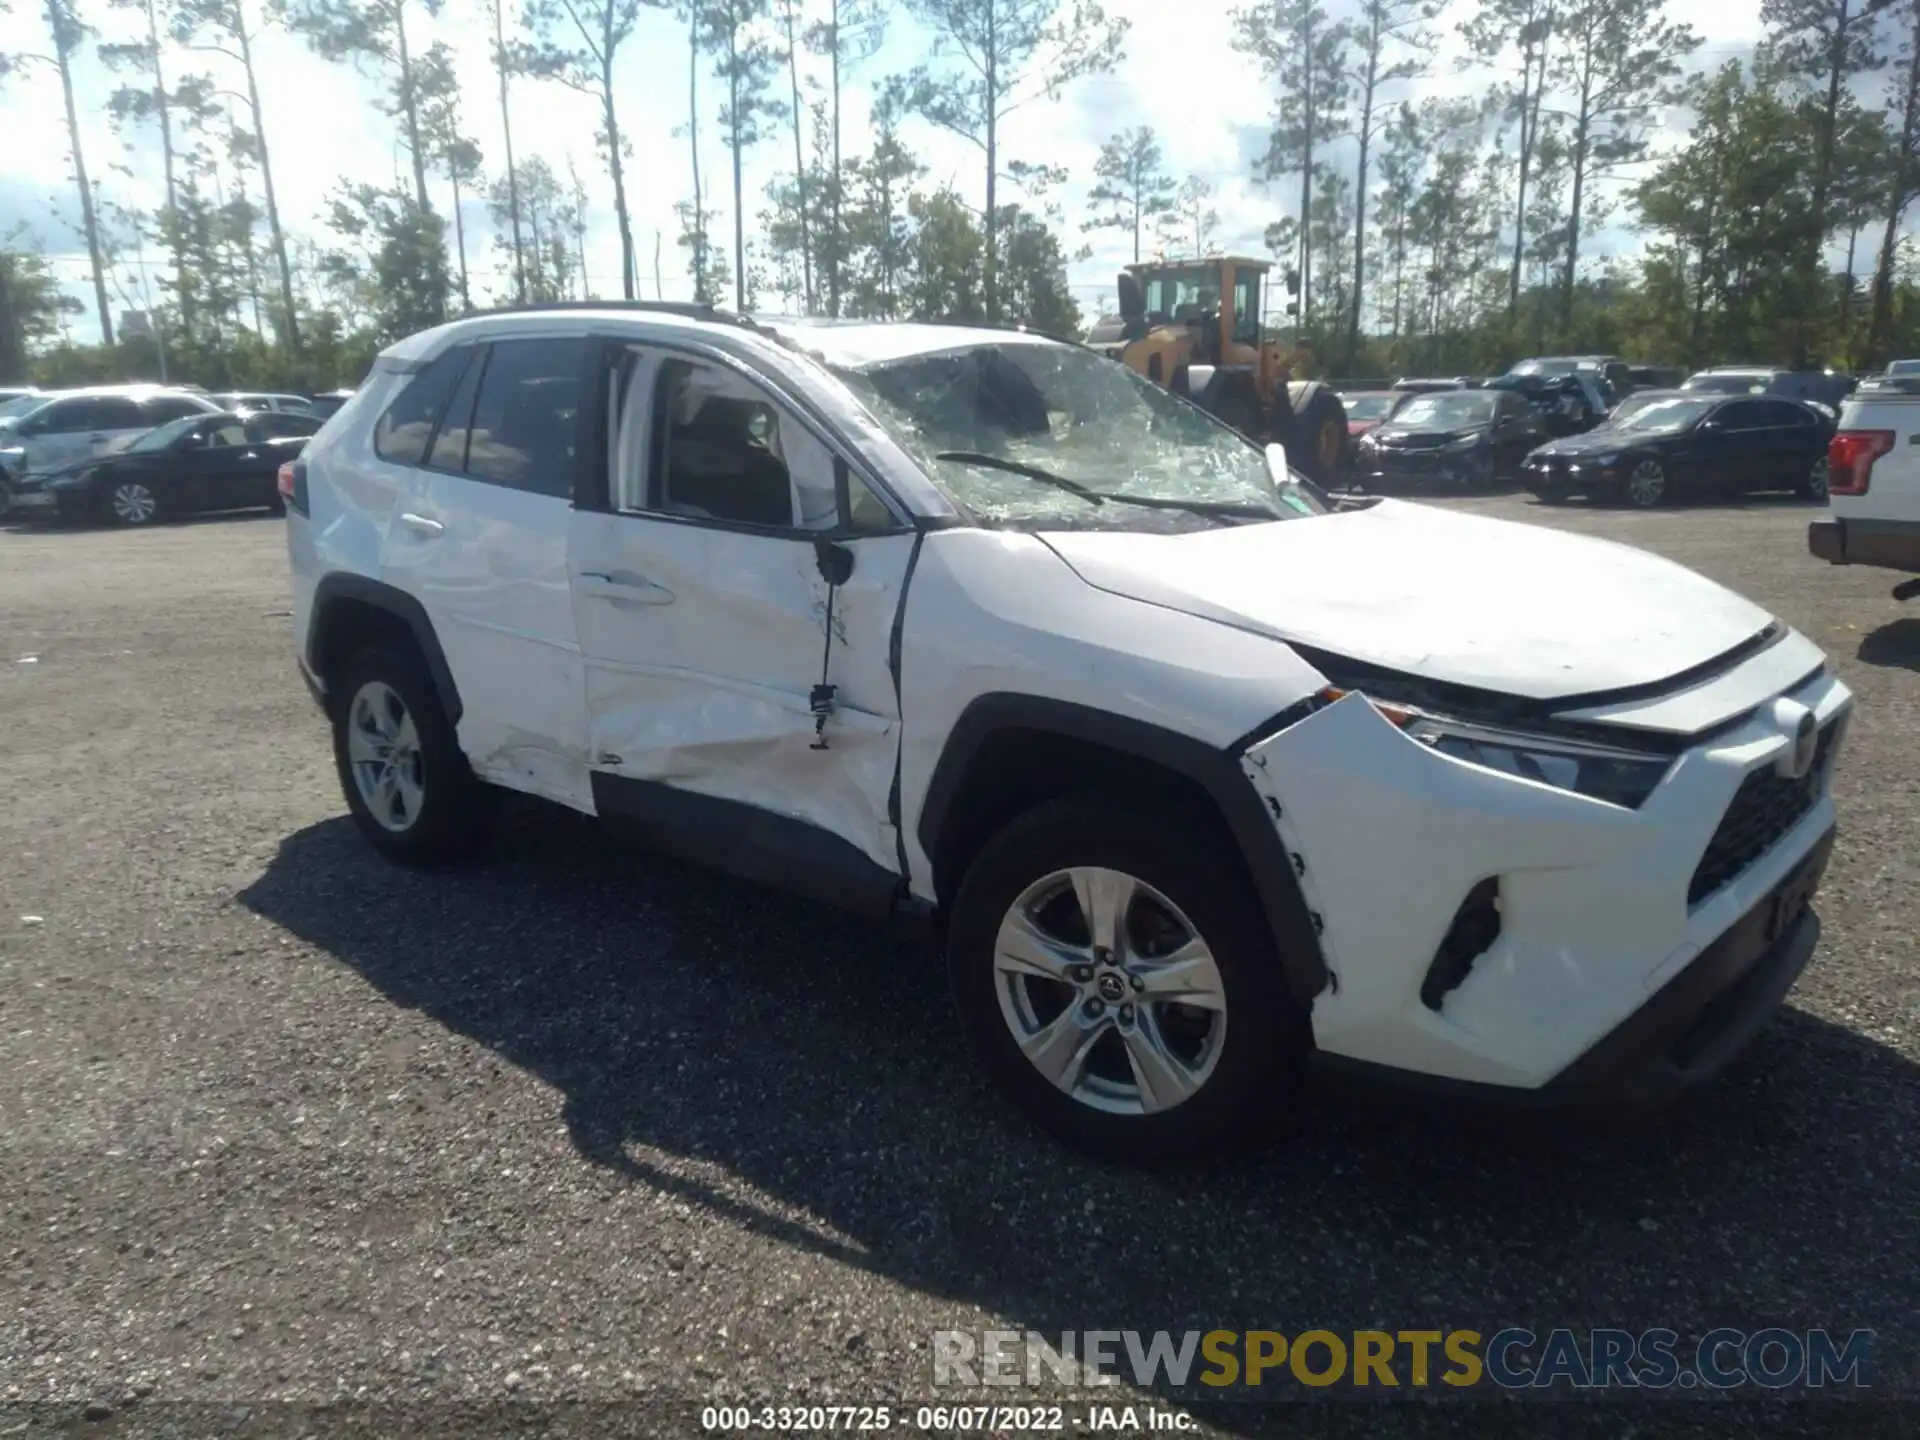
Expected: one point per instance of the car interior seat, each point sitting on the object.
(718, 468)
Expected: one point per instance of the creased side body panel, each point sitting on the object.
(992, 612)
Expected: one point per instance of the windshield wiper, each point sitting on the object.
(1207, 509)
(1032, 472)
(1210, 509)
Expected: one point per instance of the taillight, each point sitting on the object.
(1850, 457)
(292, 483)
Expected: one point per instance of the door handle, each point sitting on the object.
(632, 589)
(421, 525)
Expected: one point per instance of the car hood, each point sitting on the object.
(1494, 604)
(1415, 437)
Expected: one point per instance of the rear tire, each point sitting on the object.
(406, 781)
(1814, 485)
(1141, 1077)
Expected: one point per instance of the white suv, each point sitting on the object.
(1197, 774)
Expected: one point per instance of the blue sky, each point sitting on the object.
(323, 123)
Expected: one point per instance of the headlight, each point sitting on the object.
(1600, 772)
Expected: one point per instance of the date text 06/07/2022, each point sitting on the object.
(946, 1419)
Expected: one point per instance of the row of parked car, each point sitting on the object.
(129, 454)
(1592, 425)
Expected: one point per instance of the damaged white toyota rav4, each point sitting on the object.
(1197, 775)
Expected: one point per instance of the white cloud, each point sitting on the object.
(1181, 75)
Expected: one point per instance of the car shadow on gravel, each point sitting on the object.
(680, 1015)
(1895, 645)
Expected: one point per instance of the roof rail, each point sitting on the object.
(689, 309)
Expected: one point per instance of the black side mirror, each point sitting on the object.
(835, 561)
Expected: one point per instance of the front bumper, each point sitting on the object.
(1609, 922)
(1566, 475)
(1888, 544)
(1381, 469)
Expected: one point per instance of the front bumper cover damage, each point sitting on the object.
(1579, 996)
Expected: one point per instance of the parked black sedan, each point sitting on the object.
(199, 462)
(1450, 439)
(1686, 442)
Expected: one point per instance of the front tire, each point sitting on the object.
(129, 502)
(1119, 981)
(406, 781)
(1645, 486)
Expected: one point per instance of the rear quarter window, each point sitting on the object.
(405, 431)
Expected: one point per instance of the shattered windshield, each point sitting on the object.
(1034, 435)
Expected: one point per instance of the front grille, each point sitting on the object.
(1764, 808)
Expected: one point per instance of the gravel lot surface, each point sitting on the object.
(283, 1123)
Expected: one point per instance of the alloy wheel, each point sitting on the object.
(383, 748)
(133, 504)
(1646, 483)
(1110, 991)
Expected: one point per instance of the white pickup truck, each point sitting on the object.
(1873, 483)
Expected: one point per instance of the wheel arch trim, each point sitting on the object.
(1215, 772)
(360, 589)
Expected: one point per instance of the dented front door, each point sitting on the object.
(702, 646)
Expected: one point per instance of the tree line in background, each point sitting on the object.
(1438, 236)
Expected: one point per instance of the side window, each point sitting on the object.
(717, 449)
(163, 408)
(1246, 308)
(1741, 415)
(526, 416)
(227, 432)
(116, 412)
(724, 450)
(1779, 414)
(63, 417)
(405, 430)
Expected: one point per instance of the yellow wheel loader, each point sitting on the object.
(1194, 326)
